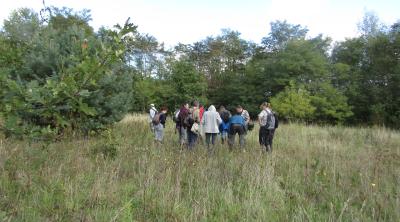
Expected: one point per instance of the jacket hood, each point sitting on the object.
(212, 108)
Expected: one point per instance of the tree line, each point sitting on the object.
(59, 75)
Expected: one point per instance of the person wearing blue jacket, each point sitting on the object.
(236, 125)
(223, 130)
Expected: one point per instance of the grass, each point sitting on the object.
(314, 174)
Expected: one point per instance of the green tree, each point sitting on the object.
(294, 103)
(188, 83)
(65, 80)
(282, 33)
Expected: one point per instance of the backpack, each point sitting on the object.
(175, 118)
(188, 121)
(270, 121)
(156, 119)
(276, 120)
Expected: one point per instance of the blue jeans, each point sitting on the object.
(224, 136)
(192, 139)
(159, 132)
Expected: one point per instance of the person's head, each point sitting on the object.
(237, 112)
(196, 104)
(222, 108)
(265, 105)
(211, 108)
(239, 109)
(186, 105)
(164, 109)
(152, 105)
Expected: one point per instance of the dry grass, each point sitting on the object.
(314, 174)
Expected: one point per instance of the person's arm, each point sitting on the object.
(219, 120)
(260, 116)
(247, 120)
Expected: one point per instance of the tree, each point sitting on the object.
(188, 83)
(294, 103)
(281, 33)
(66, 79)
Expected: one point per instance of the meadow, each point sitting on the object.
(315, 173)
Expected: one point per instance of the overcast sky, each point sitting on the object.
(187, 21)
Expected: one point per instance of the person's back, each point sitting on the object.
(237, 119)
(152, 114)
(210, 123)
(268, 125)
(181, 125)
(237, 126)
(211, 120)
(160, 125)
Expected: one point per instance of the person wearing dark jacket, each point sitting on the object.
(159, 128)
(194, 118)
(223, 127)
(181, 124)
(236, 125)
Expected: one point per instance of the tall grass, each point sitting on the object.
(314, 174)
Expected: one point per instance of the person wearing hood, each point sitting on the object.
(210, 122)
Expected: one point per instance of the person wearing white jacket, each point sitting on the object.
(210, 124)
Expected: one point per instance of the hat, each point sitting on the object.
(152, 105)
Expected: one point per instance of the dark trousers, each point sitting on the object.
(192, 139)
(210, 138)
(266, 137)
(236, 129)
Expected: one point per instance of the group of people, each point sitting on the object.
(195, 122)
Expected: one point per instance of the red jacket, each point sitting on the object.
(201, 112)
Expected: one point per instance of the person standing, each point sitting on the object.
(182, 124)
(152, 113)
(236, 126)
(193, 125)
(201, 131)
(245, 114)
(210, 123)
(159, 128)
(224, 126)
(268, 124)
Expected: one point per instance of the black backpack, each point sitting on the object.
(276, 120)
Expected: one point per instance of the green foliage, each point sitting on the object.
(57, 74)
(324, 104)
(107, 147)
(367, 72)
(283, 33)
(67, 79)
(294, 103)
(330, 105)
(188, 83)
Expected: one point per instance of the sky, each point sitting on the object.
(188, 21)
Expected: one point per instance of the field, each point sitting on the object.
(314, 174)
